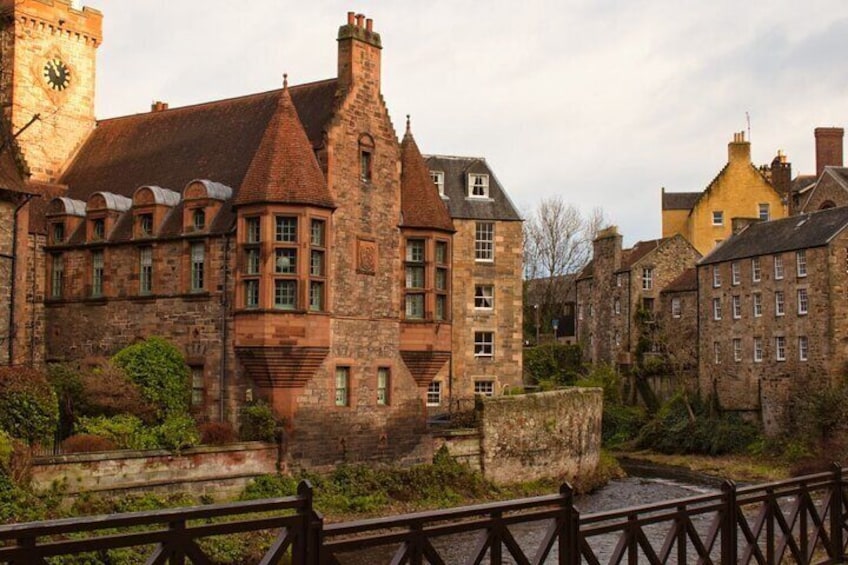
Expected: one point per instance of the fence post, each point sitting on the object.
(728, 523)
(836, 515)
(301, 539)
(568, 546)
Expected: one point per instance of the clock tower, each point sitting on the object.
(47, 69)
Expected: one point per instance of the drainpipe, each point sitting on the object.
(13, 273)
(224, 342)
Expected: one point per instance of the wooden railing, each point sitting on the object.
(800, 520)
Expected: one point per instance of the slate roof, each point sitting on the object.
(802, 182)
(686, 282)
(639, 250)
(284, 167)
(497, 207)
(679, 200)
(804, 231)
(170, 148)
(421, 205)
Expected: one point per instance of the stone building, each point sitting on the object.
(486, 283)
(772, 312)
(740, 190)
(618, 294)
(285, 241)
(828, 188)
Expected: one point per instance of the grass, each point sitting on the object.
(740, 468)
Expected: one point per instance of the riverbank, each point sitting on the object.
(739, 468)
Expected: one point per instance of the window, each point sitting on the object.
(383, 380)
(618, 281)
(58, 232)
(253, 228)
(285, 294)
(758, 304)
(737, 349)
(342, 385)
(648, 305)
(718, 218)
(735, 273)
(484, 388)
(316, 296)
(484, 344)
(803, 303)
(414, 306)
(616, 306)
(317, 267)
(736, 303)
(198, 218)
(438, 178)
(317, 233)
(145, 225)
(442, 252)
(716, 353)
(434, 393)
(251, 293)
(758, 350)
(484, 241)
(763, 212)
(778, 267)
(316, 263)
(98, 229)
(484, 297)
(251, 261)
(97, 274)
(145, 270)
(716, 276)
(716, 308)
(197, 385)
(780, 348)
(415, 278)
(478, 186)
(647, 278)
(285, 260)
(441, 307)
(675, 308)
(57, 275)
(286, 229)
(779, 303)
(198, 253)
(756, 273)
(803, 348)
(801, 263)
(365, 165)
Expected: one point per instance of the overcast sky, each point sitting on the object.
(603, 102)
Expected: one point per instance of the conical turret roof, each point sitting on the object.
(421, 205)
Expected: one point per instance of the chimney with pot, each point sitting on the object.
(828, 148)
(739, 150)
(158, 106)
(359, 53)
(781, 173)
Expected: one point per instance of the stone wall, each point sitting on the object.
(221, 472)
(551, 434)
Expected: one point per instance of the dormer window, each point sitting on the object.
(145, 225)
(58, 232)
(478, 186)
(198, 219)
(438, 178)
(98, 229)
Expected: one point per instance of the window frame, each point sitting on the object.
(716, 276)
(803, 300)
(757, 350)
(757, 304)
(341, 386)
(145, 270)
(484, 387)
(803, 348)
(434, 391)
(716, 309)
(779, 303)
(383, 388)
(737, 349)
(778, 268)
(438, 178)
(801, 263)
(736, 306)
(481, 298)
(764, 206)
(716, 353)
(735, 273)
(779, 348)
(482, 186)
(484, 344)
(98, 268)
(647, 278)
(676, 307)
(57, 275)
(197, 267)
(484, 242)
(756, 270)
(718, 217)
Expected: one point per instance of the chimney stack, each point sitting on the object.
(781, 173)
(359, 53)
(828, 148)
(739, 150)
(158, 106)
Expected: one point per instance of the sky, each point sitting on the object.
(601, 102)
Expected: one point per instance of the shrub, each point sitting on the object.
(621, 424)
(66, 383)
(177, 432)
(158, 368)
(108, 391)
(6, 450)
(553, 362)
(257, 423)
(269, 486)
(607, 378)
(87, 443)
(216, 433)
(126, 431)
(28, 407)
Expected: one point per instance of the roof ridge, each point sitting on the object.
(457, 157)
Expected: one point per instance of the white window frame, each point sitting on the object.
(737, 349)
(474, 185)
(718, 217)
(484, 297)
(716, 308)
(756, 271)
(758, 350)
(438, 178)
(801, 263)
(675, 307)
(342, 386)
(764, 211)
(484, 242)
(484, 387)
(736, 303)
(647, 278)
(384, 379)
(757, 300)
(716, 353)
(716, 276)
(434, 393)
(484, 344)
(779, 303)
(616, 306)
(803, 348)
(735, 273)
(803, 302)
(778, 267)
(780, 348)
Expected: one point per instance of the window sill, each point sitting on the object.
(197, 296)
(95, 300)
(144, 298)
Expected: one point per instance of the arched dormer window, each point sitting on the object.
(150, 206)
(366, 157)
(203, 200)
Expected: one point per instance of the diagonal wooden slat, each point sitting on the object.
(620, 547)
(484, 541)
(431, 554)
(647, 549)
(547, 543)
(159, 555)
(587, 552)
(670, 538)
(752, 547)
(513, 547)
(281, 543)
(193, 552)
(401, 556)
(786, 539)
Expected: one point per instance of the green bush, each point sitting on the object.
(28, 407)
(270, 486)
(621, 424)
(66, 383)
(178, 431)
(159, 369)
(7, 448)
(553, 362)
(607, 378)
(125, 430)
(257, 423)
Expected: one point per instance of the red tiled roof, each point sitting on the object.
(421, 205)
(170, 148)
(284, 167)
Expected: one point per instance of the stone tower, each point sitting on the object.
(47, 69)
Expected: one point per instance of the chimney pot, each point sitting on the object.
(350, 18)
(359, 19)
(369, 24)
(158, 106)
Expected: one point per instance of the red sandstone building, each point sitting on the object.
(285, 241)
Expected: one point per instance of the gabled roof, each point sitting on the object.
(839, 176)
(804, 231)
(679, 200)
(802, 183)
(456, 169)
(640, 249)
(284, 168)
(421, 205)
(687, 281)
(169, 148)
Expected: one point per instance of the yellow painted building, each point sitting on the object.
(739, 191)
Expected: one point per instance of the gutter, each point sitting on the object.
(224, 332)
(13, 274)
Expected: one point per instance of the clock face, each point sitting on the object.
(57, 74)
